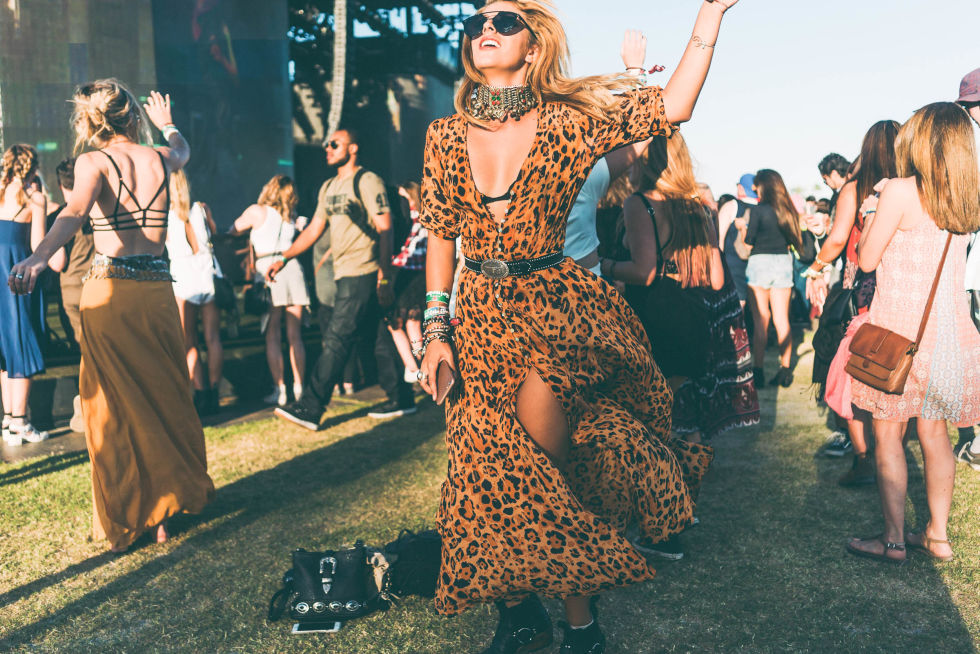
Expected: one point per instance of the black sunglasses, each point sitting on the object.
(505, 23)
(331, 145)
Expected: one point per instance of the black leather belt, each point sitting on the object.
(497, 269)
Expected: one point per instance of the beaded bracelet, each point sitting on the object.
(436, 312)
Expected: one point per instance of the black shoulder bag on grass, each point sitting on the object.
(350, 583)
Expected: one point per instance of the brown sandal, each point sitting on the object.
(925, 542)
(883, 557)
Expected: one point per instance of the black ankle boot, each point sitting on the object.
(200, 401)
(590, 640)
(213, 404)
(523, 628)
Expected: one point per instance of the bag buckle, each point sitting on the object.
(327, 581)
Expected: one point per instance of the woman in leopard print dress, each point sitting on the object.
(558, 430)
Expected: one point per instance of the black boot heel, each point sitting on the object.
(522, 629)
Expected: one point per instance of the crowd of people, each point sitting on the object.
(592, 355)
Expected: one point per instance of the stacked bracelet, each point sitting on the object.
(436, 312)
(437, 296)
(168, 130)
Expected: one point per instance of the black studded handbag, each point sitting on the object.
(331, 586)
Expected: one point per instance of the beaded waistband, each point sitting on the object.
(138, 267)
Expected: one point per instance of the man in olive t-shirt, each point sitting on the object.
(354, 206)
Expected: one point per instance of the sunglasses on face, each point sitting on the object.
(505, 23)
(331, 145)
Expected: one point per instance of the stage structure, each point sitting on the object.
(251, 81)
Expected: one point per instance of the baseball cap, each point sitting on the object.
(970, 87)
(747, 180)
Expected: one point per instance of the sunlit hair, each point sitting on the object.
(548, 75)
(414, 192)
(772, 191)
(877, 159)
(280, 194)
(669, 171)
(619, 189)
(19, 162)
(106, 108)
(180, 204)
(936, 146)
(180, 195)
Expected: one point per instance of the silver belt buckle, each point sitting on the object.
(495, 268)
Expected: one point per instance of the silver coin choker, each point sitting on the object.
(492, 103)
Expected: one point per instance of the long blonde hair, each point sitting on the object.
(180, 195)
(106, 108)
(669, 171)
(936, 146)
(180, 204)
(548, 75)
(280, 194)
(19, 162)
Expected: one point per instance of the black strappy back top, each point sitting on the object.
(117, 221)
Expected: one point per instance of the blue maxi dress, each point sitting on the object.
(20, 315)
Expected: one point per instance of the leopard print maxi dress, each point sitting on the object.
(511, 522)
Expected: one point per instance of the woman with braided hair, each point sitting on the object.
(144, 437)
(22, 222)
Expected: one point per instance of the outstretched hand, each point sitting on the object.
(157, 107)
(634, 50)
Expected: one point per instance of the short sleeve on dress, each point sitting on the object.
(642, 116)
(437, 214)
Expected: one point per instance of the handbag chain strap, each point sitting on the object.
(932, 293)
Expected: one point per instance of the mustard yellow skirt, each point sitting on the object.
(144, 437)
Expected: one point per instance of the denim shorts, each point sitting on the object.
(770, 270)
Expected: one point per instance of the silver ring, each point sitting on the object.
(421, 376)
(19, 276)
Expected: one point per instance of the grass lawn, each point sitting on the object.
(765, 571)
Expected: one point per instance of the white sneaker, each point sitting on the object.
(297, 392)
(17, 435)
(31, 435)
(966, 455)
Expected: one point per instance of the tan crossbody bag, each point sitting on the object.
(881, 358)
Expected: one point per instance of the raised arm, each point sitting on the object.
(177, 151)
(684, 87)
